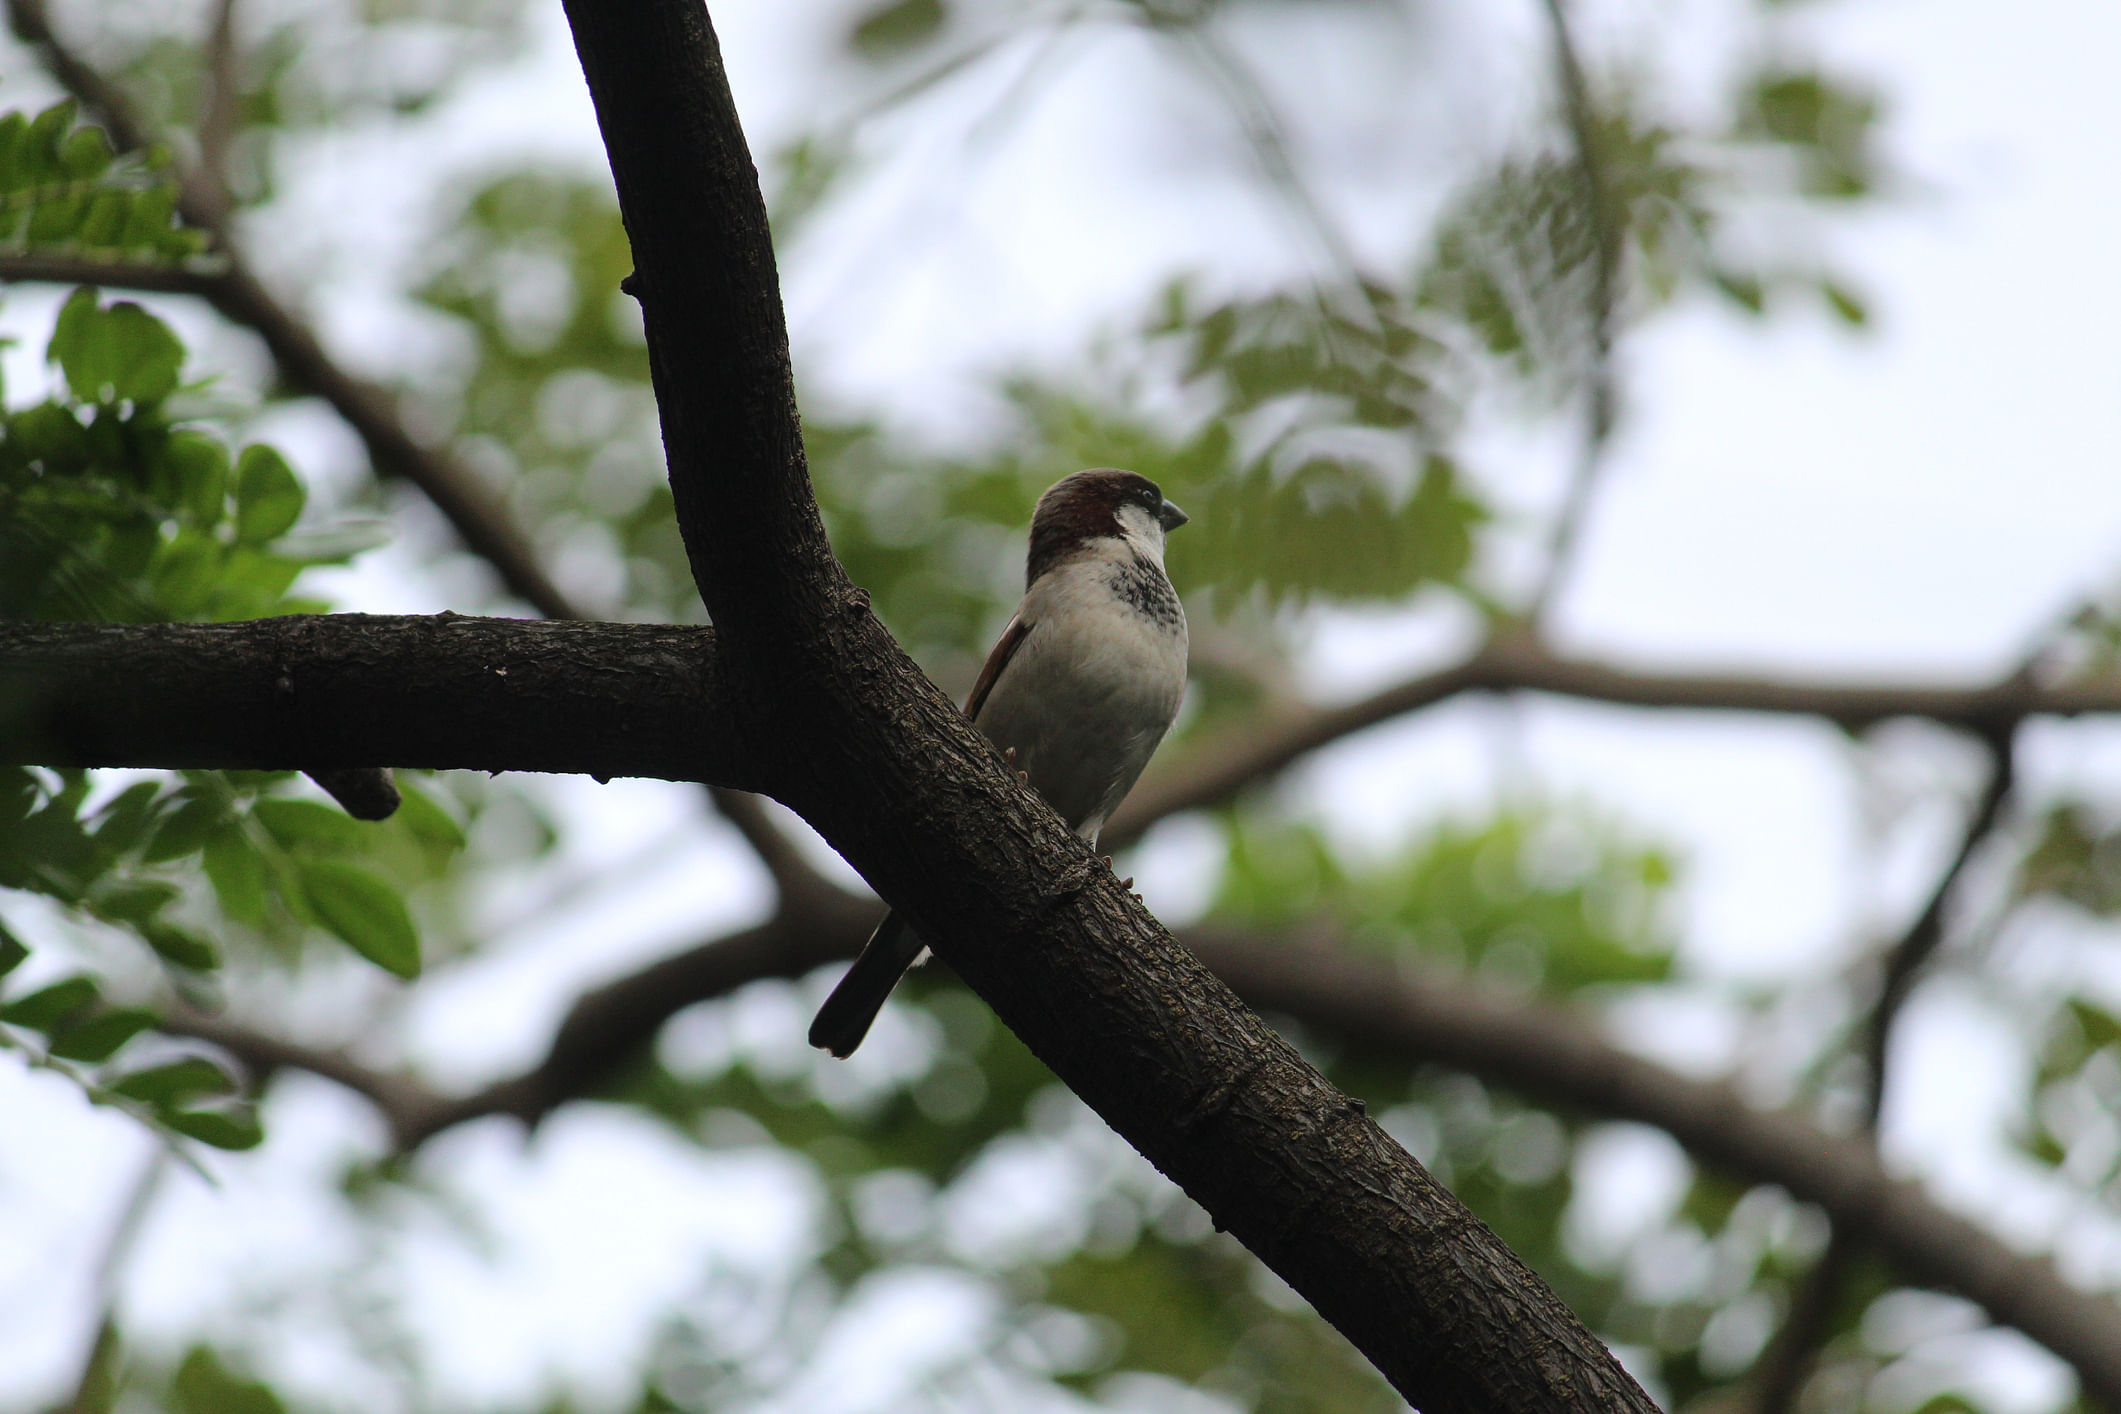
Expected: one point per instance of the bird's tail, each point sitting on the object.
(847, 1014)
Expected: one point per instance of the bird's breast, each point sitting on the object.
(1093, 687)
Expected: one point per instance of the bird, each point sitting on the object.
(1077, 693)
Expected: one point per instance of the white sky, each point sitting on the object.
(1919, 499)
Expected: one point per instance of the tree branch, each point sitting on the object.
(340, 690)
(1545, 1053)
(1785, 1364)
(1601, 396)
(1209, 774)
(1215, 771)
(866, 750)
(1905, 961)
(1552, 1056)
(220, 109)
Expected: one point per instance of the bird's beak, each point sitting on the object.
(1171, 517)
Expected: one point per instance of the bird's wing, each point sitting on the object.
(1004, 649)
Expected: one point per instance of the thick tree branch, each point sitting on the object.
(884, 767)
(226, 282)
(113, 658)
(342, 690)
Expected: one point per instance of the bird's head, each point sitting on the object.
(1100, 504)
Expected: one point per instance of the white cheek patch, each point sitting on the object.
(1142, 530)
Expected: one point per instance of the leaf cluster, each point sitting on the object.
(64, 191)
(66, 1026)
(114, 507)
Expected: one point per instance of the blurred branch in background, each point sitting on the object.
(1541, 1051)
(235, 290)
(96, 1389)
(1601, 397)
(1789, 1357)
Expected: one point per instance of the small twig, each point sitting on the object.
(1267, 134)
(31, 23)
(219, 110)
(92, 1390)
(191, 278)
(792, 874)
(1602, 397)
(364, 792)
(1782, 1368)
(406, 1105)
(1915, 948)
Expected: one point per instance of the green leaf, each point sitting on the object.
(174, 1082)
(186, 830)
(40, 148)
(125, 821)
(133, 901)
(182, 946)
(268, 495)
(12, 952)
(86, 154)
(365, 912)
(204, 1385)
(1846, 304)
(2101, 1028)
(238, 875)
(201, 467)
(887, 29)
(1746, 291)
(428, 821)
(308, 824)
(99, 1037)
(118, 354)
(47, 1007)
(229, 1127)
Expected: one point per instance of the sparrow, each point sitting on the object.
(1077, 694)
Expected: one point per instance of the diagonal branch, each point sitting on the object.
(856, 740)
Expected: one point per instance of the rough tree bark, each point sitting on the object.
(865, 748)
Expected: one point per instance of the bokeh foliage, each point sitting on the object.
(1315, 429)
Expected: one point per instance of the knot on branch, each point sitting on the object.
(1215, 1101)
(1073, 881)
